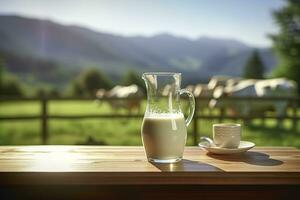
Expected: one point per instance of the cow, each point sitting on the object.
(202, 94)
(216, 81)
(241, 89)
(197, 90)
(132, 92)
(166, 91)
(233, 81)
(255, 88)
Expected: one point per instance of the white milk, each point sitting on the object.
(164, 135)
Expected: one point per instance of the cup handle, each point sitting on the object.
(192, 105)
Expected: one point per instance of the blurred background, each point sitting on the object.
(70, 71)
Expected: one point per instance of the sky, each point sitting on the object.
(249, 21)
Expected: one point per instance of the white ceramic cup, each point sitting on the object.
(227, 135)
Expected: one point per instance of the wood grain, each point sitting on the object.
(106, 165)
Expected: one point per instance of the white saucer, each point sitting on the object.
(243, 147)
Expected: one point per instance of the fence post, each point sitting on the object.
(44, 124)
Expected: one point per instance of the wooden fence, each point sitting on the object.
(44, 115)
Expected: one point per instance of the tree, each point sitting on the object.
(131, 77)
(41, 92)
(54, 92)
(254, 67)
(89, 81)
(76, 88)
(286, 43)
(10, 86)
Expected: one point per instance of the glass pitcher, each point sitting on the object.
(164, 129)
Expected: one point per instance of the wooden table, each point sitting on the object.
(86, 172)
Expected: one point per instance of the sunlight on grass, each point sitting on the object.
(119, 131)
(20, 132)
(78, 107)
(18, 108)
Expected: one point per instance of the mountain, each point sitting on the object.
(74, 47)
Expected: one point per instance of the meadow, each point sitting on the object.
(117, 131)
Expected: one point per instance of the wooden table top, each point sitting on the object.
(107, 165)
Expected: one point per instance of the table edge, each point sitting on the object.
(149, 178)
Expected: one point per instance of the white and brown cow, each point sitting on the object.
(202, 94)
(119, 94)
(279, 87)
(217, 81)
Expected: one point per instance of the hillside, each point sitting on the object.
(73, 47)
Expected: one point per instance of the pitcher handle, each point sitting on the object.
(192, 105)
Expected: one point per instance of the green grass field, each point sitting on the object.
(116, 131)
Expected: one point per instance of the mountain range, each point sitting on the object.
(70, 48)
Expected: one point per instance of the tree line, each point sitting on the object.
(85, 84)
(90, 80)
